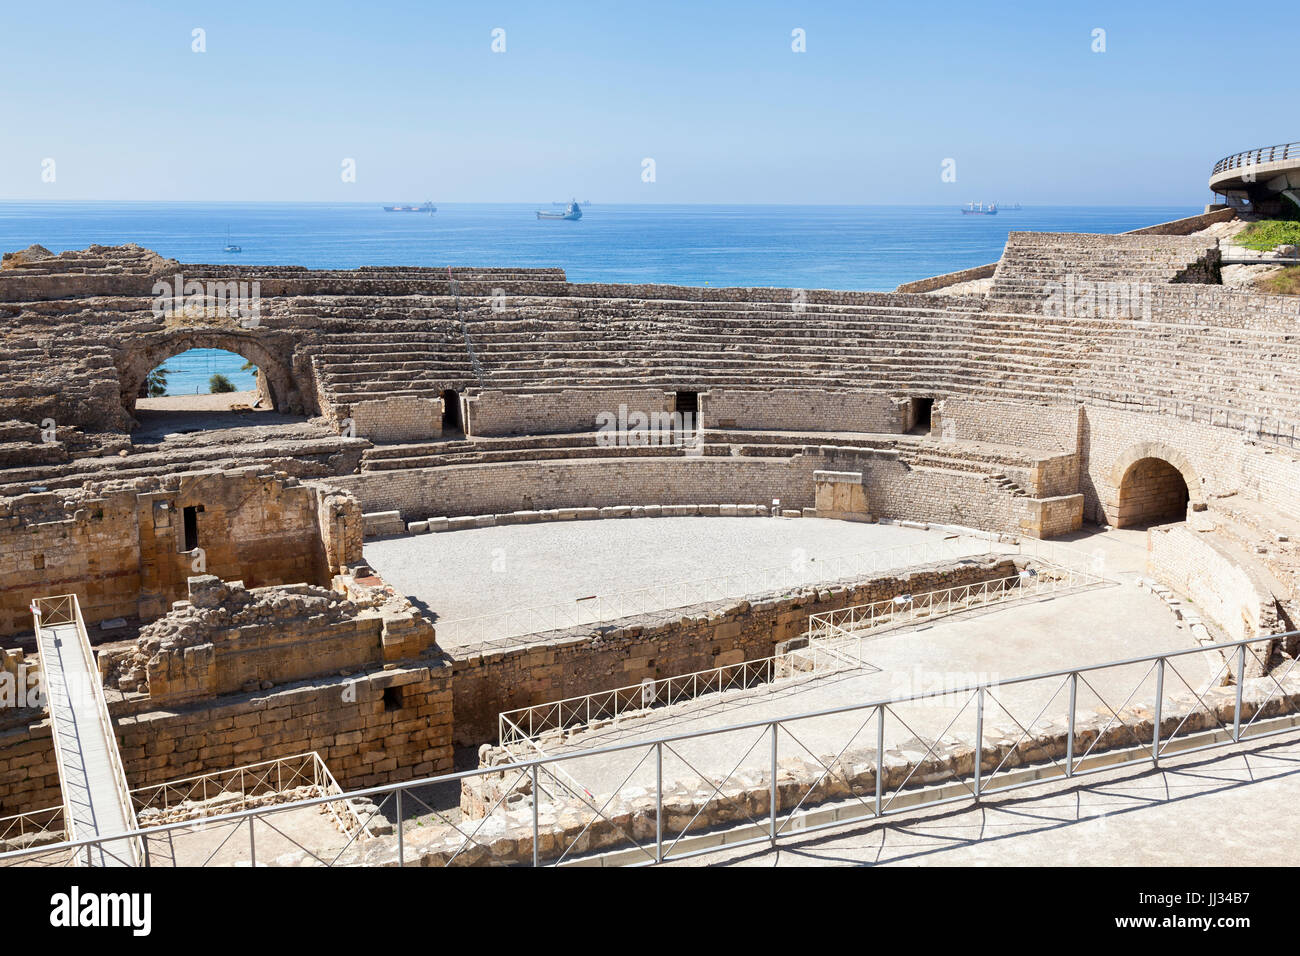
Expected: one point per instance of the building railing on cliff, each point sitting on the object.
(1253, 157)
(1065, 724)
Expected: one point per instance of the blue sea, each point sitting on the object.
(809, 247)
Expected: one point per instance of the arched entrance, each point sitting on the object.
(1149, 482)
(274, 377)
(1151, 491)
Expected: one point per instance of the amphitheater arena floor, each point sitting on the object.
(481, 571)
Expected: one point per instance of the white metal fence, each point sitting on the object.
(531, 724)
(853, 624)
(1068, 724)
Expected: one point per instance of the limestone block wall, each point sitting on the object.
(398, 418)
(803, 409)
(949, 278)
(1272, 475)
(53, 545)
(1209, 458)
(527, 486)
(895, 490)
(371, 728)
(568, 663)
(120, 546)
(1195, 565)
(1044, 427)
(839, 494)
(1225, 307)
(495, 412)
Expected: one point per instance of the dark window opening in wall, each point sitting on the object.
(392, 698)
(38, 562)
(687, 403)
(191, 514)
(924, 412)
(451, 411)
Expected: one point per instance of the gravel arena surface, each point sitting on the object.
(463, 574)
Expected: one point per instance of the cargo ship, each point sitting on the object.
(979, 209)
(572, 212)
(427, 207)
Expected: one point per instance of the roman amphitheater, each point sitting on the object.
(502, 569)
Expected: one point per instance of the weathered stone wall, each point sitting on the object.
(121, 546)
(893, 489)
(493, 412)
(528, 486)
(1195, 565)
(370, 729)
(1208, 458)
(398, 418)
(226, 639)
(791, 409)
(949, 278)
(973, 499)
(579, 661)
(1044, 427)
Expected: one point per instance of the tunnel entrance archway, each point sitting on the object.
(1151, 491)
(275, 380)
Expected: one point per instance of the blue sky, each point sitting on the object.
(412, 91)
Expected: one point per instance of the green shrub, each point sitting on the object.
(1268, 234)
(220, 385)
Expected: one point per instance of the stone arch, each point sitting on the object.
(139, 359)
(1151, 481)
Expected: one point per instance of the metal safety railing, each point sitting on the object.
(600, 609)
(33, 826)
(239, 788)
(203, 795)
(859, 621)
(924, 749)
(528, 724)
(65, 609)
(1253, 157)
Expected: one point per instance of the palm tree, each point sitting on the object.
(155, 383)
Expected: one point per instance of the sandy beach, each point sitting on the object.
(196, 403)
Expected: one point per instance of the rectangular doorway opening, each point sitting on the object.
(191, 514)
(924, 408)
(451, 411)
(686, 407)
